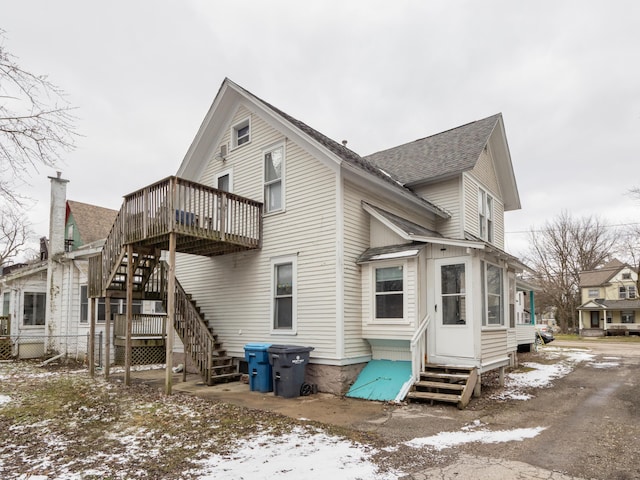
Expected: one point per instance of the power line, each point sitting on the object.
(546, 230)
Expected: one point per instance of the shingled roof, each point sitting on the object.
(345, 153)
(93, 222)
(438, 156)
(600, 276)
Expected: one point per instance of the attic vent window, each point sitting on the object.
(241, 133)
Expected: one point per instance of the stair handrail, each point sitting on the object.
(419, 348)
(194, 332)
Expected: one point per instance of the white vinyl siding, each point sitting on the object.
(471, 224)
(447, 195)
(485, 172)
(494, 345)
(233, 290)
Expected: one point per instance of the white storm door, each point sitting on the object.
(454, 329)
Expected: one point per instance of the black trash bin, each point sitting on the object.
(288, 366)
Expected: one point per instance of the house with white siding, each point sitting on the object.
(284, 236)
(46, 301)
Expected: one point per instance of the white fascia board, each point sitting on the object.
(419, 238)
(504, 168)
(452, 242)
(420, 206)
(209, 134)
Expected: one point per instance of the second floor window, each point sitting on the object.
(241, 133)
(627, 292)
(273, 175)
(593, 293)
(485, 216)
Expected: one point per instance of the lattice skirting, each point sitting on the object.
(148, 355)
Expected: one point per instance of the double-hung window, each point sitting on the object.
(389, 292)
(485, 216)
(492, 295)
(627, 292)
(34, 308)
(241, 133)
(284, 294)
(273, 179)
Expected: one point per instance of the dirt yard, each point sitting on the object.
(585, 425)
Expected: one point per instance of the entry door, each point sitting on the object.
(454, 329)
(595, 319)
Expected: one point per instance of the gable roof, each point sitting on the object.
(437, 156)
(600, 276)
(94, 223)
(450, 153)
(223, 105)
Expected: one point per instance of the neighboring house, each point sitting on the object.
(48, 300)
(285, 236)
(610, 302)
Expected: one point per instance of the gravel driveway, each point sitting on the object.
(591, 421)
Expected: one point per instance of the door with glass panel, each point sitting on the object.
(453, 319)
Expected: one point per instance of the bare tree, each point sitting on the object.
(559, 252)
(14, 234)
(36, 124)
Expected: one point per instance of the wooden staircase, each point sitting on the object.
(203, 221)
(445, 383)
(200, 341)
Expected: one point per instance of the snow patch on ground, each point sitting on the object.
(451, 439)
(539, 375)
(4, 399)
(604, 364)
(293, 456)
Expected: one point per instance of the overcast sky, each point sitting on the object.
(142, 74)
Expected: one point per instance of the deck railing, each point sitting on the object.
(184, 207)
(142, 325)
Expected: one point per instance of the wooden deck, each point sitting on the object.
(206, 221)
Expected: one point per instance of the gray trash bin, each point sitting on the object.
(288, 366)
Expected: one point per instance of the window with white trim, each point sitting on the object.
(284, 294)
(485, 216)
(6, 303)
(241, 133)
(84, 304)
(628, 291)
(492, 295)
(593, 292)
(389, 292)
(273, 175)
(34, 308)
(628, 317)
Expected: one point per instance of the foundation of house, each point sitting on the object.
(333, 379)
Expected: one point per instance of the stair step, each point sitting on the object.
(435, 366)
(440, 397)
(447, 376)
(439, 385)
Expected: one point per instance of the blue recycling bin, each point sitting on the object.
(257, 356)
(289, 364)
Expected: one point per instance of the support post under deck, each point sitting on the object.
(171, 312)
(127, 348)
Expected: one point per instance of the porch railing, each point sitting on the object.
(5, 325)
